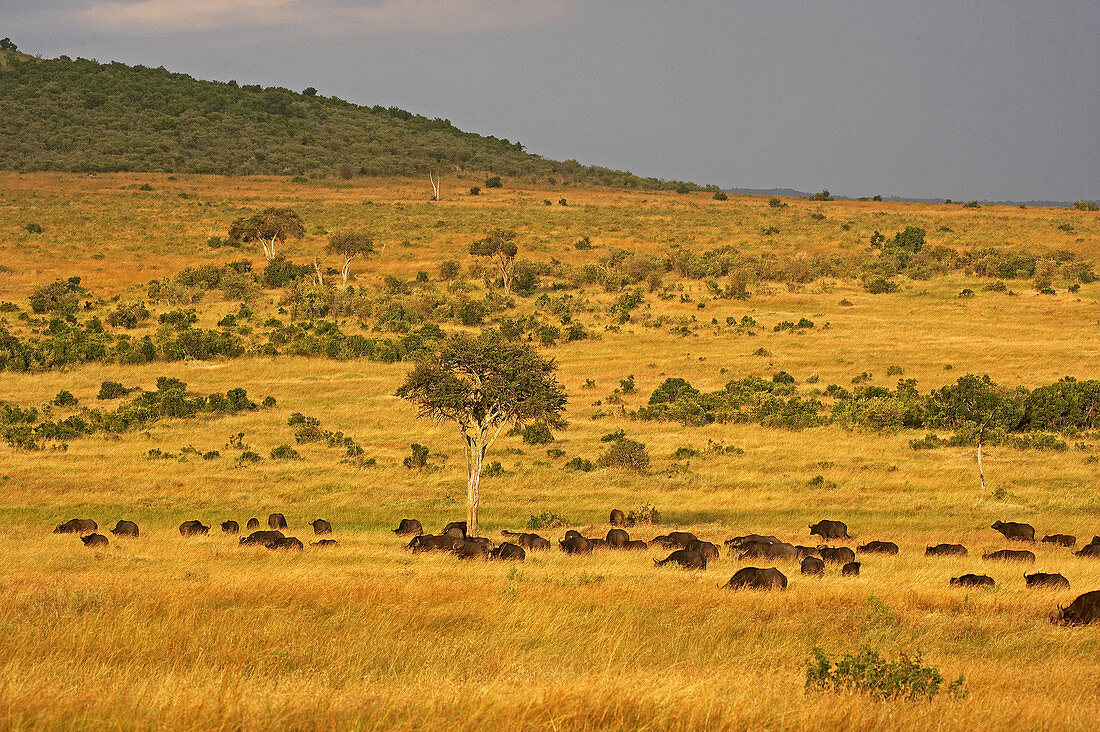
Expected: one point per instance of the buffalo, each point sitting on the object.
(738, 541)
(125, 528)
(430, 543)
(231, 527)
(813, 566)
(510, 551)
(972, 580)
(94, 540)
(575, 545)
(709, 550)
(618, 518)
(879, 547)
(805, 551)
(193, 528)
(324, 543)
(252, 525)
(617, 538)
(320, 526)
(1060, 540)
(473, 549)
(1014, 531)
(839, 554)
(635, 545)
(675, 540)
(851, 569)
(533, 542)
(276, 521)
(598, 543)
(1085, 609)
(1042, 579)
(286, 542)
(768, 550)
(686, 558)
(1089, 550)
(76, 526)
(261, 538)
(830, 530)
(409, 527)
(1011, 555)
(573, 534)
(945, 550)
(752, 578)
(454, 526)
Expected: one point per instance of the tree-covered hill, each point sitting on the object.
(83, 116)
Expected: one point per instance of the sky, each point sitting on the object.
(969, 99)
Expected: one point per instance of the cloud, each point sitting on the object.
(379, 16)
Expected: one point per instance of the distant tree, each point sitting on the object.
(494, 182)
(475, 190)
(309, 91)
(483, 384)
(7, 45)
(436, 179)
(1086, 206)
(268, 227)
(500, 246)
(349, 245)
(720, 196)
(824, 195)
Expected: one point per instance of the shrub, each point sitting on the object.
(782, 378)
(128, 316)
(867, 672)
(537, 434)
(249, 457)
(494, 469)
(419, 457)
(475, 190)
(972, 204)
(33, 228)
(775, 202)
(683, 453)
(211, 455)
(285, 452)
(616, 435)
(546, 520)
(449, 269)
(269, 402)
(112, 390)
(64, 398)
(720, 196)
(579, 464)
(822, 196)
(818, 481)
(494, 182)
(1086, 206)
(894, 371)
(281, 272)
(646, 513)
(966, 294)
(61, 297)
(625, 454)
(583, 245)
(878, 285)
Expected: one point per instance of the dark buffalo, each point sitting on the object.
(409, 527)
(252, 525)
(94, 540)
(454, 532)
(752, 578)
(598, 543)
(768, 550)
(534, 542)
(459, 526)
(430, 543)
(709, 550)
(320, 526)
(1085, 609)
(287, 542)
(1089, 550)
(473, 549)
(324, 543)
(1014, 531)
(125, 528)
(1011, 555)
(276, 521)
(1095, 541)
(231, 527)
(193, 528)
(879, 547)
(686, 558)
(972, 580)
(830, 530)
(945, 550)
(573, 534)
(1042, 579)
(838, 555)
(263, 538)
(635, 545)
(805, 551)
(738, 541)
(813, 565)
(618, 518)
(76, 526)
(510, 551)
(575, 545)
(676, 539)
(617, 538)
(1060, 539)
(851, 569)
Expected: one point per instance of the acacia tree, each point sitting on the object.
(976, 405)
(271, 225)
(500, 246)
(483, 384)
(349, 245)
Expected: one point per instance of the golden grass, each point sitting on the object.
(169, 632)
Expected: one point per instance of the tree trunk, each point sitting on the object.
(345, 270)
(981, 473)
(473, 485)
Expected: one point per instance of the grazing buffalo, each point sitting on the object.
(409, 527)
(1014, 531)
(813, 565)
(575, 545)
(945, 550)
(709, 550)
(287, 542)
(473, 549)
(1089, 550)
(252, 525)
(94, 540)
(805, 551)
(510, 551)
(193, 528)
(973, 580)
(1085, 609)
(617, 538)
(533, 542)
(635, 545)
(1011, 555)
(261, 538)
(76, 526)
(320, 526)
(459, 526)
(125, 528)
(429, 543)
(686, 558)
(752, 578)
(839, 554)
(675, 540)
(618, 518)
(1095, 541)
(851, 569)
(573, 534)
(1060, 539)
(830, 530)
(768, 550)
(879, 547)
(598, 543)
(738, 541)
(1042, 579)
(324, 543)
(276, 521)
(231, 527)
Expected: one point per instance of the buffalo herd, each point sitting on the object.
(687, 550)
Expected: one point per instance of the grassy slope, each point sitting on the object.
(163, 631)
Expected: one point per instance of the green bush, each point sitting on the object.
(493, 469)
(646, 513)
(61, 297)
(868, 673)
(112, 390)
(1086, 206)
(419, 457)
(64, 398)
(537, 434)
(475, 190)
(33, 228)
(625, 454)
(128, 315)
(547, 520)
(720, 196)
(494, 182)
(580, 464)
(285, 452)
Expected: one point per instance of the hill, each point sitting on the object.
(79, 115)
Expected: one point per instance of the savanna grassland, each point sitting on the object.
(162, 631)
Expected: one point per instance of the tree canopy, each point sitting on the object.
(271, 225)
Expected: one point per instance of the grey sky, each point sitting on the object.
(978, 99)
